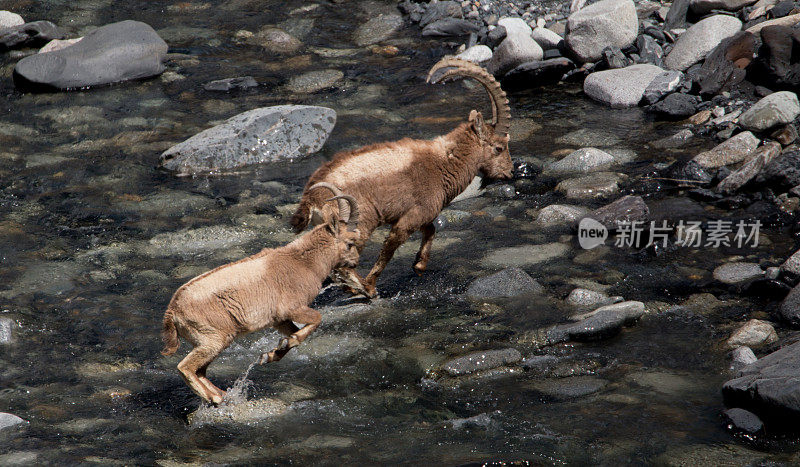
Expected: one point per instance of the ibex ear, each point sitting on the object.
(334, 226)
(476, 119)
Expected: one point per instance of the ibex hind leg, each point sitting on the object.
(199, 358)
(421, 263)
(400, 232)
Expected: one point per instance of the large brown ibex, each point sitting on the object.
(407, 183)
(272, 288)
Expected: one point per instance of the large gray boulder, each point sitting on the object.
(770, 386)
(775, 109)
(607, 23)
(694, 44)
(621, 87)
(116, 52)
(515, 50)
(261, 135)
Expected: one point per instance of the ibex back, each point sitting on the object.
(407, 183)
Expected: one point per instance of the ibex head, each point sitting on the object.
(344, 227)
(495, 160)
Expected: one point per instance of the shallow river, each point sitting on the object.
(94, 239)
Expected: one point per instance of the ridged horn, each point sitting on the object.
(344, 207)
(353, 215)
(451, 67)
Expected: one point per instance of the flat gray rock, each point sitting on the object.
(377, 29)
(10, 19)
(621, 87)
(483, 360)
(775, 109)
(753, 333)
(476, 54)
(507, 283)
(525, 255)
(629, 208)
(607, 23)
(694, 44)
(113, 53)
(266, 134)
(602, 323)
(583, 160)
(596, 185)
(734, 150)
(737, 273)
(559, 215)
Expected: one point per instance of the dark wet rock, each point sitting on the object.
(562, 389)
(769, 386)
(261, 135)
(230, 84)
(776, 55)
(702, 7)
(776, 109)
(8, 420)
(440, 10)
(741, 357)
(496, 36)
(116, 52)
(754, 333)
(507, 283)
(614, 58)
(792, 265)
(734, 150)
(537, 72)
(480, 361)
(783, 171)
(790, 307)
(786, 135)
(604, 322)
(378, 29)
(34, 34)
(782, 9)
(742, 421)
(676, 16)
(622, 87)
(626, 209)
(515, 50)
(649, 50)
(694, 44)
(679, 139)
(525, 255)
(6, 325)
(481, 420)
(605, 23)
(676, 106)
(765, 154)
(450, 27)
(725, 65)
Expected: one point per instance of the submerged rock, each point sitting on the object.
(507, 283)
(247, 412)
(526, 255)
(267, 134)
(602, 323)
(621, 87)
(626, 209)
(229, 84)
(314, 81)
(483, 360)
(743, 421)
(563, 389)
(754, 333)
(116, 52)
(377, 29)
(607, 23)
(194, 241)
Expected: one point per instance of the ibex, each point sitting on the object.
(407, 183)
(271, 288)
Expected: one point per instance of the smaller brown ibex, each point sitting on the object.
(272, 288)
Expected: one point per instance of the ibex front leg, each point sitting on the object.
(309, 316)
(397, 236)
(424, 253)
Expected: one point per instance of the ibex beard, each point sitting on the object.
(407, 183)
(272, 288)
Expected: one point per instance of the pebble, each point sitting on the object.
(754, 333)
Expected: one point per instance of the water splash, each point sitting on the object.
(237, 394)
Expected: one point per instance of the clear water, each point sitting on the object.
(85, 219)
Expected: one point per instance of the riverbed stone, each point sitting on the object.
(6, 326)
(8, 420)
(703, 7)
(564, 389)
(694, 44)
(792, 264)
(777, 108)
(507, 283)
(754, 333)
(247, 412)
(559, 215)
(607, 23)
(741, 357)
(58, 44)
(790, 307)
(676, 106)
(586, 298)
(33, 34)
(750, 169)
(621, 87)
(525, 255)
(200, 240)
(583, 160)
(515, 50)
(663, 84)
(588, 137)
(440, 10)
(602, 323)
(377, 29)
(450, 27)
(110, 54)
(737, 273)
(314, 81)
(596, 185)
(741, 420)
(266, 134)
(769, 386)
(482, 360)
(629, 208)
(230, 84)
(515, 26)
(276, 40)
(546, 38)
(10, 19)
(732, 151)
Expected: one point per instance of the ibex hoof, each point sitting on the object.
(420, 268)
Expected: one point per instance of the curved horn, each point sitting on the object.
(450, 67)
(352, 215)
(344, 208)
